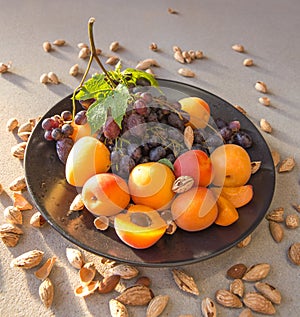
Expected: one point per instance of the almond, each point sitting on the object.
(259, 303)
(185, 282)
(157, 305)
(137, 295)
(108, 284)
(237, 271)
(257, 272)
(227, 299)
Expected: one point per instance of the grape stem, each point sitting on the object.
(93, 55)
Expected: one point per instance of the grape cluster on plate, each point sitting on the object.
(152, 129)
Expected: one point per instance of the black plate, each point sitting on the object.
(52, 195)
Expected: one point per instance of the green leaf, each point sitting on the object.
(96, 115)
(115, 102)
(166, 162)
(135, 74)
(118, 102)
(93, 87)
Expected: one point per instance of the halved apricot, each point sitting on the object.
(140, 226)
(238, 196)
(227, 213)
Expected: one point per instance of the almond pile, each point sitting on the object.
(262, 299)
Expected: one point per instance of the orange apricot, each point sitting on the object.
(195, 209)
(151, 184)
(105, 194)
(140, 227)
(87, 157)
(231, 165)
(80, 131)
(198, 110)
(239, 196)
(227, 213)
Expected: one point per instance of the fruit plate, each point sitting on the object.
(52, 195)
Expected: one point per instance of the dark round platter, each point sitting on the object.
(52, 196)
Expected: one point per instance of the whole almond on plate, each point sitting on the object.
(157, 305)
(257, 272)
(117, 309)
(227, 299)
(237, 271)
(259, 303)
(137, 295)
(186, 72)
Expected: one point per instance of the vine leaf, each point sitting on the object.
(114, 102)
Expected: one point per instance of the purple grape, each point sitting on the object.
(140, 106)
(48, 135)
(234, 125)
(226, 133)
(48, 124)
(147, 97)
(67, 129)
(243, 139)
(56, 134)
(220, 123)
(67, 115)
(111, 130)
(157, 153)
(80, 117)
(63, 148)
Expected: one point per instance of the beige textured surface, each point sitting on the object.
(268, 29)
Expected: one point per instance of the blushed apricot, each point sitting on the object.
(151, 184)
(87, 157)
(105, 194)
(198, 109)
(195, 209)
(194, 163)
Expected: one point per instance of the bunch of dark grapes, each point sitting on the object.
(231, 132)
(58, 128)
(152, 129)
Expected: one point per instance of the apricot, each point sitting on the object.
(194, 163)
(227, 213)
(151, 184)
(105, 194)
(238, 196)
(198, 109)
(80, 131)
(87, 157)
(195, 209)
(231, 165)
(140, 227)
